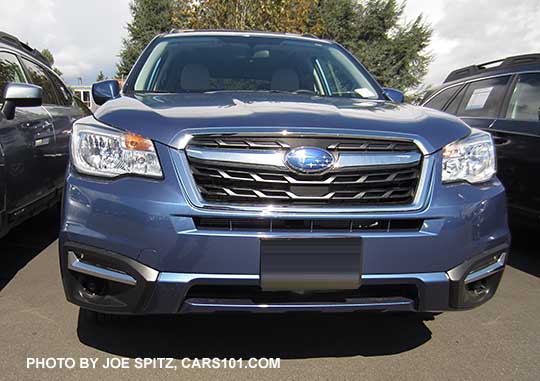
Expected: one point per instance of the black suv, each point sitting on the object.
(502, 97)
(38, 112)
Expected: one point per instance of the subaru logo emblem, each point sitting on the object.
(309, 159)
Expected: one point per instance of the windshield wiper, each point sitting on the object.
(300, 91)
(153, 92)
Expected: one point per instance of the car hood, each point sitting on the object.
(164, 117)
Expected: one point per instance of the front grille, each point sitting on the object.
(246, 183)
(263, 225)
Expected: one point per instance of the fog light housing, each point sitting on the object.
(475, 281)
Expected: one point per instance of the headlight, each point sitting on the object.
(106, 152)
(471, 159)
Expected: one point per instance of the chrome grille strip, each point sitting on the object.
(284, 178)
(240, 157)
(372, 194)
(276, 158)
(329, 143)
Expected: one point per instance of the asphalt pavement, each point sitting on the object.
(499, 340)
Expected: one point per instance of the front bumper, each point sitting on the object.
(147, 229)
(127, 286)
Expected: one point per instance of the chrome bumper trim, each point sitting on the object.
(168, 277)
(487, 271)
(189, 277)
(304, 306)
(77, 265)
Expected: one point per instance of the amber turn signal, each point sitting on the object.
(136, 142)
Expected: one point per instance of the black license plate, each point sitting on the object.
(311, 264)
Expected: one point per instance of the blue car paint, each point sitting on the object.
(454, 230)
(164, 117)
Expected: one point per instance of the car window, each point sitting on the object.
(10, 71)
(441, 99)
(235, 63)
(482, 98)
(525, 100)
(39, 77)
(64, 94)
(452, 107)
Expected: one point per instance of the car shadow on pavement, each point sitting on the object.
(524, 253)
(287, 336)
(26, 241)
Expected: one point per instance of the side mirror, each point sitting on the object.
(394, 95)
(20, 95)
(105, 91)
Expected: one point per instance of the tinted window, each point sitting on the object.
(238, 63)
(39, 77)
(525, 100)
(454, 103)
(63, 93)
(483, 98)
(440, 100)
(10, 71)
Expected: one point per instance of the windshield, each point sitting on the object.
(200, 64)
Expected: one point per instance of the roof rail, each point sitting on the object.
(469, 71)
(187, 30)
(13, 41)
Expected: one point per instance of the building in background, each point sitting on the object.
(84, 93)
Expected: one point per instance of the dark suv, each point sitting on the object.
(502, 97)
(38, 111)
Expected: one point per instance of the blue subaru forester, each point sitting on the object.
(265, 172)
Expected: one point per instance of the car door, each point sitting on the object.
(64, 114)
(517, 135)
(24, 179)
(59, 104)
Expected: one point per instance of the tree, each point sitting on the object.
(50, 59)
(268, 15)
(100, 76)
(150, 17)
(371, 29)
(48, 56)
(395, 53)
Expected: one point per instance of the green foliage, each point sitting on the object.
(268, 15)
(394, 52)
(48, 56)
(50, 59)
(371, 29)
(100, 76)
(150, 17)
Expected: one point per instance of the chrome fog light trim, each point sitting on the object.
(487, 271)
(75, 264)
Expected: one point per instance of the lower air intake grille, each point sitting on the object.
(307, 226)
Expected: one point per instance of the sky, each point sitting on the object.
(86, 36)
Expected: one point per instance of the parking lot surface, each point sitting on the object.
(499, 340)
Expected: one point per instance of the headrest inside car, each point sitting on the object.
(285, 80)
(195, 78)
